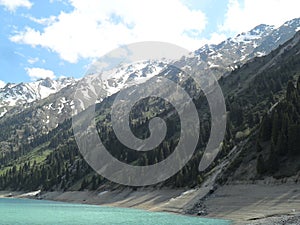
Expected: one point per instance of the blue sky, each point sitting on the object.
(54, 38)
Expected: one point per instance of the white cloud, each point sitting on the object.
(243, 17)
(33, 60)
(12, 5)
(95, 27)
(2, 84)
(43, 21)
(39, 73)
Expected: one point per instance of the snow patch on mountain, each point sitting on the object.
(19, 94)
(130, 74)
(107, 83)
(3, 112)
(236, 51)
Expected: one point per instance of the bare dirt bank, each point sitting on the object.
(249, 203)
(243, 204)
(154, 200)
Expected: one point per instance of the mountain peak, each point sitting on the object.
(257, 42)
(293, 22)
(262, 29)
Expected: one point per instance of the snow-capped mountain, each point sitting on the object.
(48, 112)
(19, 94)
(242, 45)
(130, 74)
(233, 52)
(110, 82)
(218, 59)
(42, 105)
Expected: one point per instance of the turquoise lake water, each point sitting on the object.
(34, 212)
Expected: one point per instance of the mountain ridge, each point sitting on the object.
(221, 59)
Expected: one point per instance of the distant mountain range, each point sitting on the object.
(125, 75)
(218, 59)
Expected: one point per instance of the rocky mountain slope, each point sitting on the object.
(12, 95)
(230, 54)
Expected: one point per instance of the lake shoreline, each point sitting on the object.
(32, 211)
(242, 204)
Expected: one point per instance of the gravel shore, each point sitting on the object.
(256, 204)
(278, 220)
